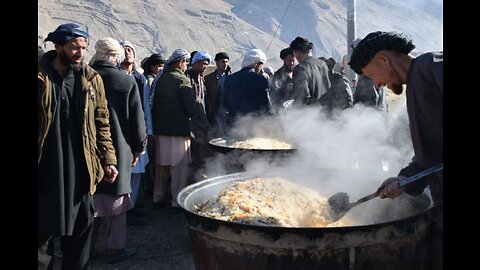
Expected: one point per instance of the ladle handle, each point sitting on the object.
(364, 199)
(408, 180)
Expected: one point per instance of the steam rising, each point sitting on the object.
(352, 151)
(360, 139)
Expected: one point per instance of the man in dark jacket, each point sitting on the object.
(75, 150)
(339, 95)
(385, 58)
(112, 201)
(310, 76)
(369, 95)
(130, 67)
(173, 107)
(281, 83)
(200, 127)
(246, 91)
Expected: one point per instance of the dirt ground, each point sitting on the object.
(162, 243)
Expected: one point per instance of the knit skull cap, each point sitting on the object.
(221, 55)
(154, 59)
(201, 55)
(177, 55)
(253, 56)
(377, 41)
(129, 44)
(65, 32)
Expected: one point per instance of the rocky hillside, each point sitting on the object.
(235, 26)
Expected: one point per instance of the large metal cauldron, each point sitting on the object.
(237, 157)
(224, 145)
(396, 244)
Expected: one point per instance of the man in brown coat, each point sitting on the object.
(214, 82)
(75, 150)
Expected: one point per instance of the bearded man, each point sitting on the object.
(75, 150)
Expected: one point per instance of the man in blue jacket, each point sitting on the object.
(246, 91)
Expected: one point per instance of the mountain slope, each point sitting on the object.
(235, 26)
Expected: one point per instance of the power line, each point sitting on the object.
(281, 20)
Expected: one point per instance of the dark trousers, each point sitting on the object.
(434, 240)
(200, 152)
(75, 248)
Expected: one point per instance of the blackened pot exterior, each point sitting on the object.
(237, 157)
(217, 244)
(223, 145)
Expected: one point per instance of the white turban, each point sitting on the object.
(107, 49)
(252, 57)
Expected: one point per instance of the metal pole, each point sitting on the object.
(351, 34)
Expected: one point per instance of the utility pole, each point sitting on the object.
(351, 34)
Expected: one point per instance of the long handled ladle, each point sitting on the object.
(340, 202)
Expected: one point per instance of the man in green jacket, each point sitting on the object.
(75, 150)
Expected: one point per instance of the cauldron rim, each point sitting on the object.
(220, 145)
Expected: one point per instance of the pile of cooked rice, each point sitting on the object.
(270, 202)
(262, 143)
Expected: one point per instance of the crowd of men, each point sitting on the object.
(104, 124)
